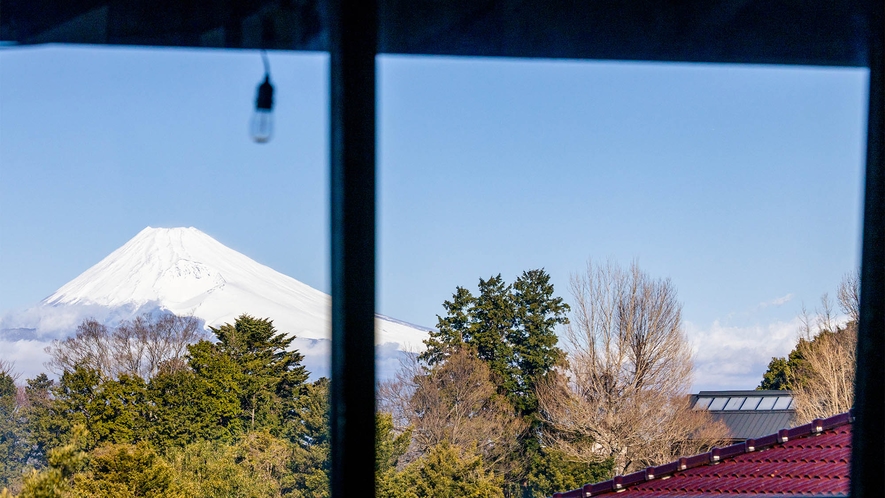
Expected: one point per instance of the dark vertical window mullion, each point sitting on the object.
(352, 63)
(868, 444)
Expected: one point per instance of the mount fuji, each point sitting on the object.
(186, 272)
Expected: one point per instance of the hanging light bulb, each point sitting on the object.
(261, 127)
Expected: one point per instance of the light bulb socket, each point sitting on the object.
(264, 100)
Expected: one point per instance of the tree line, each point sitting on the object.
(821, 367)
(493, 407)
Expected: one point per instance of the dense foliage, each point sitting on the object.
(511, 329)
(233, 417)
(154, 408)
(783, 372)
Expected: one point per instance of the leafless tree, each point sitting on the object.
(824, 383)
(138, 347)
(824, 317)
(394, 396)
(849, 295)
(7, 368)
(826, 386)
(623, 392)
(145, 344)
(90, 346)
(455, 402)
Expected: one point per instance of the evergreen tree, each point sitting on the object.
(309, 431)
(453, 331)
(111, 411)
(551, 471)
(76, 401)
(187, 406)
(41, 427)
(63, 462)
(538, 312)
(269, 376)
(793, 371)
(781, 372)
(120, 410)
(13, 444)
(126, 471)
(212, 469)
(444, 472)
(511, 328)
(389, 446)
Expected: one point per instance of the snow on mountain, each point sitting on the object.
(187, 272)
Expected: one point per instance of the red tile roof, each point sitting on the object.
(812, 459)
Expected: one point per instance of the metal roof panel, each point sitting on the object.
(808, 462)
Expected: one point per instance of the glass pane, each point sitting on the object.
(483, 163)
(767, 403)
(718, 403)
(127, 158)
(734, 403)
(702, 403)
(154, 153)
(751, 403)
(783, 403)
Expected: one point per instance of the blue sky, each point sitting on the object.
(742, 184)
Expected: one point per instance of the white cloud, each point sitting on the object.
(777, 301)
(58, 322)
(28, 356)
(735, 357)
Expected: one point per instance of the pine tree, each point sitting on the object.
(63, 462)
(190, 406)
(38, 414)
(126, 470)
(446, 471)
(270, 377)
(538, 312)
(13, 445)
(309, 431)
(453, 330)
(76, 400)
(511, 328)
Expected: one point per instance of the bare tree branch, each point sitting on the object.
(849, 295)
(623, 392)
(7, 368)
(138, 347)
(823, 380)
(455, 402)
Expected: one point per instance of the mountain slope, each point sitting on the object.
(187, 272)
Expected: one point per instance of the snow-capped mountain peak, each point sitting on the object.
(187, 272)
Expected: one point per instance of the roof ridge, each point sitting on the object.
(621, 482)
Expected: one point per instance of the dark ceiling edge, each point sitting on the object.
(805, 32)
